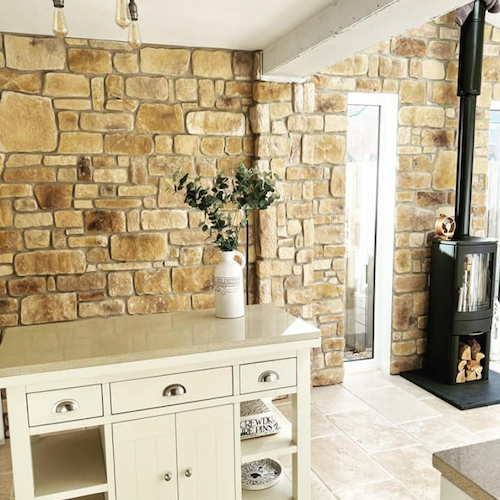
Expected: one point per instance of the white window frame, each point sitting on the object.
(386, 214)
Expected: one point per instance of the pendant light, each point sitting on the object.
(122, 16)
(59, 27)
(134, 34)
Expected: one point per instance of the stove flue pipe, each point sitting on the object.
(469, 87)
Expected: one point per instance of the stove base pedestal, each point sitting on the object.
(464, 396)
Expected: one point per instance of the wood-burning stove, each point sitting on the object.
(463, 269)
(461, 309)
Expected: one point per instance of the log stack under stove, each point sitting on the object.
(469, 364)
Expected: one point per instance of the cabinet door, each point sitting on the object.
(205, 444)
(146, 459)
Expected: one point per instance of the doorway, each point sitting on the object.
(370, 212)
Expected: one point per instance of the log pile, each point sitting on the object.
(469, 363)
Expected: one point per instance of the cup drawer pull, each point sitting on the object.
(63, 407)
(174, 390)
(269, 377)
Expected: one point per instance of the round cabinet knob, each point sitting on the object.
(168, 477)
(189, 472)
(269, 377)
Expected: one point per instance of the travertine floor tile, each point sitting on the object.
(335, 399)
(440, 433)
(388, 490)
(369, 381)
(5, 486)
(5, 461)
(413, 467)
(372, 431)
(341, 464)
(320, 426)
(397, 405)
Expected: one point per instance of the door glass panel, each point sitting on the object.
(493, 227)
(361, 214)
(475, 291)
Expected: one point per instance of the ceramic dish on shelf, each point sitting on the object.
(260, 475)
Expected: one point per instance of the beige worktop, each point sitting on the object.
(88, 343)
(473, 469)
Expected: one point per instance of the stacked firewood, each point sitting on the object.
(469, 364)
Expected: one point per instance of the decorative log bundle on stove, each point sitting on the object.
(469, 364)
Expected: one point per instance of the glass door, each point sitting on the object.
(362, 174)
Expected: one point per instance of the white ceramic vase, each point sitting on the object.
(229, 295)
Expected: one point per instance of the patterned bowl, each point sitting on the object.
(260, 475)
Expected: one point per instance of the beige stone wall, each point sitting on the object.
(90, 135)
(301, 134)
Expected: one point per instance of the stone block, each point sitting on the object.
(212, 64)
(139, 247)
(192, 279)
(128, 144)
(50, 196)
(89, 61)
(163, 219)
(38, 309)
(445, 171)
(10, 241)
(331, 103)
(120, 284)
(152, 282)
(30, 83)
(33, 220)
(216, 123)
(172, 62)
(104, 221)
(243, 64)
(33, 54)
(80, 143)
(408, 47)
(5, 214)
(318, 149)
(353, 66)
(101, 309)
(159, 118)
(25, 131)
(26, 286)
(272, 92)
(445, 93)
(88, 281)
(158, 304)
(106, 122)
(66, 85)
(126, 63)
(412, 92)
(37, 238)
(143, 87)
(50, 262)
(422, 116)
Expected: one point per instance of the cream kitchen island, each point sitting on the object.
(148, 407)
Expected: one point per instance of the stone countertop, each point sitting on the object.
(473, 469)
(89, 343)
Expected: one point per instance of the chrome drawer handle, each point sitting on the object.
(174, 390)
(65, 407)
(269, 377)
(168, 477)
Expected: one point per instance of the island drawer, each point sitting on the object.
(256, 377)
(155, 392)
(65, 405)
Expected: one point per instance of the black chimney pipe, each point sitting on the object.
(469, 87)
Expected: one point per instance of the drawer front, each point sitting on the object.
(143, 394)
(65, 405)
(257, 377)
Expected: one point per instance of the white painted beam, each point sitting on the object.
(493, 19)
(344, 28)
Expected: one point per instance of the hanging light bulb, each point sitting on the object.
(59, 27)
(122, 17)
(134, 34)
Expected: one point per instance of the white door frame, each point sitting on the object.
(386, 211)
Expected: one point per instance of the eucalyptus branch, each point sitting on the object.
(249, 191)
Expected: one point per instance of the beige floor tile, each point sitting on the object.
(397, 405)
(341, 464)
(410, 388)
(320, 426)
(368, 381)
(373, 432)
(335, 399)
(479, 419)
(5, 461)
(388, 490)
(440, 433)
(413, 467)
(319, 491)
(5, 487)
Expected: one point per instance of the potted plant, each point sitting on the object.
(227, 205)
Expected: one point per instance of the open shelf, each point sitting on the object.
(282, 491)
(69, 466)
(270, 446)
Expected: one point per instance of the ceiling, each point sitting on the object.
(235, 24)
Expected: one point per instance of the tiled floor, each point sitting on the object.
(373, 439)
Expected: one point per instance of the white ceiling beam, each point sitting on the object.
(342, 29)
